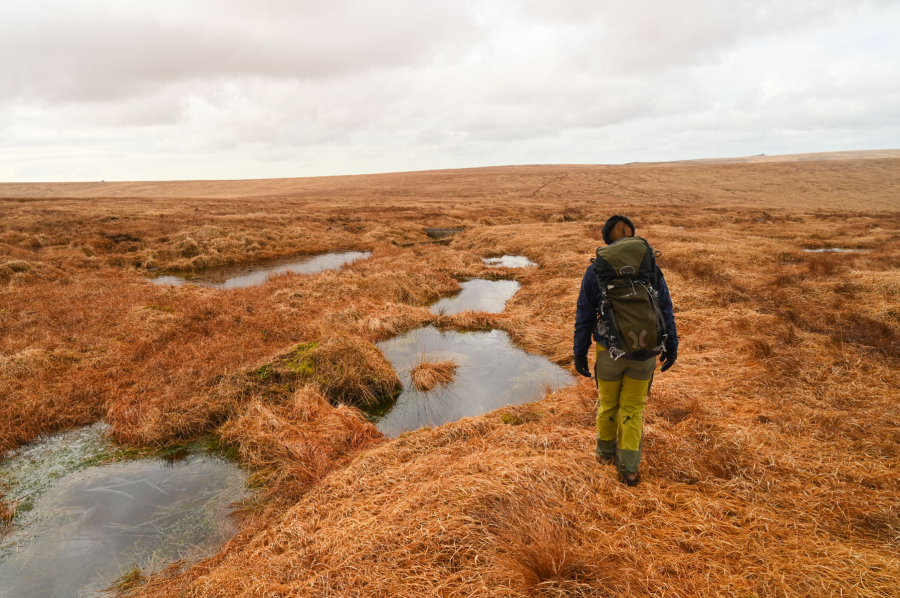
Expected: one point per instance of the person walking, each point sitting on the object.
(624, 305)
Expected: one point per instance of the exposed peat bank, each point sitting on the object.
(771, 450)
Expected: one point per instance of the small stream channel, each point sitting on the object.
(85, 521)
(248, 274)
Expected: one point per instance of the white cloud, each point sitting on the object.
(199, 89)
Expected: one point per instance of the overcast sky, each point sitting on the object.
(187, 89)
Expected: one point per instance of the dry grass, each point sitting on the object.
(295, 444)
(427, 375)
(7, 512)
(771, 449)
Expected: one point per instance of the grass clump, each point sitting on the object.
(427, 375)
(129, 580)
(293, 445)
(7, 514)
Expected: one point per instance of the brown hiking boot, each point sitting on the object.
(630, 479)
(605, 459)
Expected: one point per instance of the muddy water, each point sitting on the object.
(492, 373)
(249, 274)
(509, 261)
(89, 526)
(478, 295)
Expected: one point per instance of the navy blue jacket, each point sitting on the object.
(589, 305)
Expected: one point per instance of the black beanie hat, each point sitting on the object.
(607, 228)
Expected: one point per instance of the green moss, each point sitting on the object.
(161, 308)
(296, 364)
(303, 348)
(215, 446)
(299, 360)
(511, 419)
(521, 415)
(265, 372)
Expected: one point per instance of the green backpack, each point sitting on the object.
(630, 318)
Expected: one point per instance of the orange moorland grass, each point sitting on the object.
(427, 375)
(771, 448)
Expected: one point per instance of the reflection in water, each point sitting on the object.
(248, 274)
(492, 373)
(509, 261)
(98, 523)
(478, 295)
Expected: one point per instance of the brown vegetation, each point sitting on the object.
(427, 375)
(771, 448)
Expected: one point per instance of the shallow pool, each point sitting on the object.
(478, 295)
(90, 526)
(234, 276)
(492, 373)
(509, 261)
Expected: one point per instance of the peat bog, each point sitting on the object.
(771, 462)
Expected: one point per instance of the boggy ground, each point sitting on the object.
(771, 448)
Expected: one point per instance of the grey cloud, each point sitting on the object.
(95, 50)
(360, 86)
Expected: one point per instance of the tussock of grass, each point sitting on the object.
(129, 580)
(294, 445)
(427, 375)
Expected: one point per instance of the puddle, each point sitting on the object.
(442, 233)
(249, 274)
(492, 373)
(478, 295)
(509, 261)
(835, 250)
(91, 523)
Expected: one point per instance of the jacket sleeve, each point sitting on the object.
(586, 313)
(665, 306)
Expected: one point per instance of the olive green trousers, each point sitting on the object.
(623, 386)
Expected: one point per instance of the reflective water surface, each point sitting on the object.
(509, 261)
(478, 295)
(248, 274)
(492, 373)
(90, 526)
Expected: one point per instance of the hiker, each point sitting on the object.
(625, 306)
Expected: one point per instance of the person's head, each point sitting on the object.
(617, 227)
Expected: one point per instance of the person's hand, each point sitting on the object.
(668, 358)
(581, 366)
